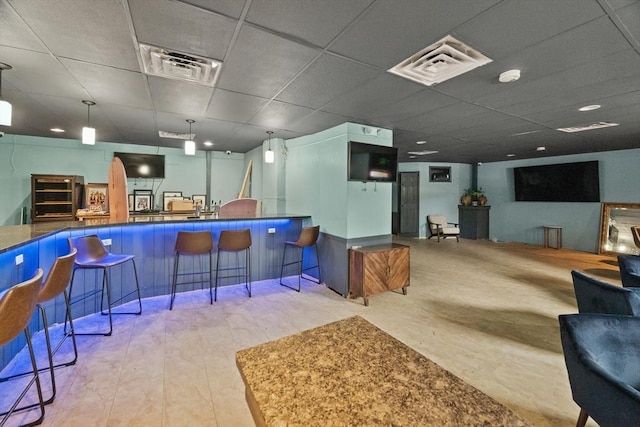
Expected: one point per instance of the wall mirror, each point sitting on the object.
(616, 221)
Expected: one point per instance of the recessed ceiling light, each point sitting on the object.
(541, 149)
(58, 130)
(589, 107)
(208, 143)
(421, 142)
(511, 155)
(509, 76)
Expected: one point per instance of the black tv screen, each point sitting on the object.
(142, 165)
(566, 182)
(369, 162)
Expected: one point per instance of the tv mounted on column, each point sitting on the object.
(370, 162)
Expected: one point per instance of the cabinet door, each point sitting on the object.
(375, 273)
(398, 268)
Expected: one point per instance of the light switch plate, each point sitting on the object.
(19, 259)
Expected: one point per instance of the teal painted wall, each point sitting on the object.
(316, 183)
(21, 156)
(522, 221)
(438, 198)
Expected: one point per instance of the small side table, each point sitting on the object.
(558, 230)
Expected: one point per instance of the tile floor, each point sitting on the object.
(485, 311)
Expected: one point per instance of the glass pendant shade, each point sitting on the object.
(190, 144)
(269, 156)
(88, 132)
(189, 148)
(5, 106)
(5, 113)
(88, 135)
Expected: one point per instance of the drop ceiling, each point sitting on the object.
(297, 67)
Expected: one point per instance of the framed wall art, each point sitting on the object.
(170, 196)
(97, 197)
(200, 199)
(142, 200)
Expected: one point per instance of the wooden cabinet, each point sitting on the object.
(376, 269)
(55, 197)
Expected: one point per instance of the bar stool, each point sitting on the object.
(192, 243)
(93, 255)
(16, 309)
(55, 284)
(235, 241)
(308, 237)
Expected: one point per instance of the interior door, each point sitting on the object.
(408, 203)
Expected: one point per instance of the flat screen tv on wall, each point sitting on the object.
(566, 182)
(142, 165)
(370, 162)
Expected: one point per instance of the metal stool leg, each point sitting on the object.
(36, 379)
(247, 267)
(290, 263)
(174, 283)
(215, 298)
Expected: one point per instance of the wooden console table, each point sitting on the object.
(350, 373)
(376, 269)
(545, 239)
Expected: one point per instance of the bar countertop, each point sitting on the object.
(12, 236)
(352, 373)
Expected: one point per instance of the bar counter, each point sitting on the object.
(12, 236)
(151, 238)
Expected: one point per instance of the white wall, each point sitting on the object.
(21, 156)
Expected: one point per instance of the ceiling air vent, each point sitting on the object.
(180, 66)
(443, 60)
(421, 153)
(175, 135)
(593, 126)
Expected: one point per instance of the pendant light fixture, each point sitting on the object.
(88, 133)
(5, 106)
(190, 145)
(269, 155)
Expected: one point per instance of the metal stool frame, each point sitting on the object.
(19, 304)
(234, 241)
(308, 237)
(97, 257)
(55, 284)
(192, 243)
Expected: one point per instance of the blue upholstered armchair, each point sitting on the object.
(602, 355)
(595, 296)
(629, 270)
